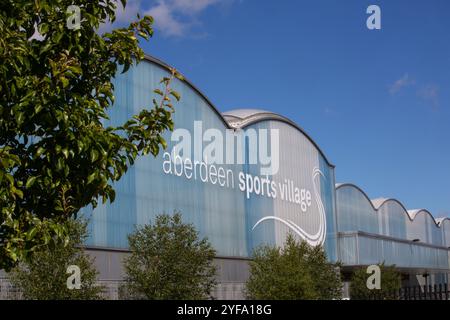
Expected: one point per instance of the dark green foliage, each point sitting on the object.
(45, 277)
(57, 155)
(296, 271)
(169, 261)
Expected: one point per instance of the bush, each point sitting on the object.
(169, 261)
(390, 284)
(44, 277)
(296, 271)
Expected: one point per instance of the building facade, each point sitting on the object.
(304, 200)
(249, 177)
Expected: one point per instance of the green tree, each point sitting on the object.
(327, 278)
(169, 261)
(389, 284)
(296, 271)
(44, 277)
(57, 152)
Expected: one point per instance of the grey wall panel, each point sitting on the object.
(109, 263)
(232, 270)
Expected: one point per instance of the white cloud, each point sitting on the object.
(173, 18)
(428, 93)
(123, 16)
(192, 6)
(176, 17)
(401, 83)
(166, 21)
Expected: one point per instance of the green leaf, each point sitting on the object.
(65, 152)
(38, 108)
(10, 178)
(64, 81)
(94, 155)
(91, 177)
(75, 69)
(30, 182)
(19, 118)
(18, 192)
(39, 151)
(32, 233)
(175, 94)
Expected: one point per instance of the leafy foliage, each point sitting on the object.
(56, 153)
(296, 271)
(45, 277)
(390, 283)
(169, 261)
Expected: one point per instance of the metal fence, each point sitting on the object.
(112, 290)
(427, 292)
(8, 291)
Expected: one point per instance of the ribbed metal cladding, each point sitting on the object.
(222, 214)
(386, 231)
(298, 159)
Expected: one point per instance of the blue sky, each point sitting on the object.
(376, 101)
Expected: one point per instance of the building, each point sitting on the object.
(235, 201)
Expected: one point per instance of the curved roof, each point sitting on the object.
(190, 84)
(415, 212)
(442, 219)
(244, 113)
(379, 202)
(241, 118)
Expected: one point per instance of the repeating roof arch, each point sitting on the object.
(241, 118)
(378, 203)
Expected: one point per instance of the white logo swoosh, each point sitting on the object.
(313, 239)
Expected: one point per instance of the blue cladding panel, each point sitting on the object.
(355, 213)
(222, 214)
(328, 195)
(145, 190)
(225, 215)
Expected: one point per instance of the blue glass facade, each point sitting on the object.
(352, 228)
(223, 214)
(383, 230)
(146, 191)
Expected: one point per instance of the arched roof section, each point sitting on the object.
(379, 202)
(240, 118)
(414, 213)
(168, 68)
(443, 220)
